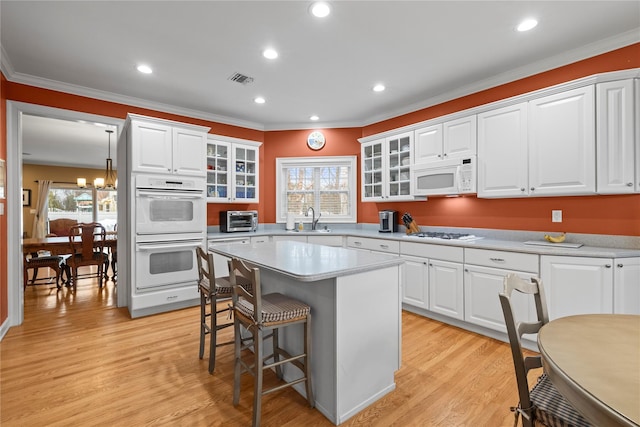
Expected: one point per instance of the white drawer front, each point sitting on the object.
(503, 259)
(379, 245)
(425, 250)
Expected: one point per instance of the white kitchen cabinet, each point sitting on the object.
(562, 143)
(446, 291)
(484, 273)
(326, 240)
(447, 140)
(433, 277)
(164, 147)
(289, 237)
(616, 141)
(232, 170)
(415, 281)
(626, 286)
(260, 239)
(503, 152)
(386, 166)
(577, 285)
(376, 245)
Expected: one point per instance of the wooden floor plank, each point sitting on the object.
(78, 360)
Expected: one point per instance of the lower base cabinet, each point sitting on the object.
(446, 290)
(626, 286)
(415, 282)
(482, 285)
(577, 285)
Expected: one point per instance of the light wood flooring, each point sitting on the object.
(79, 361)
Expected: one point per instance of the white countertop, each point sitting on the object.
(307, 262)
(484, 243)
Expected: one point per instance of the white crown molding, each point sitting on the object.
(550, 63)
(127, 100)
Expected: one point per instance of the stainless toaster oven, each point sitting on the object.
(233, 221)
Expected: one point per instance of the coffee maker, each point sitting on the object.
(388, 221)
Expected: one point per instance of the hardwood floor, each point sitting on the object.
(78, 360)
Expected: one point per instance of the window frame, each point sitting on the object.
(283, 163)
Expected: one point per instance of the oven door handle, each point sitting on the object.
(168, 245)
(170, 194)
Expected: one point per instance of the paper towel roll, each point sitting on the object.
(290, 221)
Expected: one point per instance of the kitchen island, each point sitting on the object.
(355, 307)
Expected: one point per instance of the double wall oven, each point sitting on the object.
(170, 222)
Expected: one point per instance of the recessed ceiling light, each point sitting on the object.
(527, 25)
(270, 54)
(259, 100)
(145, 69)
(320, 9)
(314, 118)
(379, 87)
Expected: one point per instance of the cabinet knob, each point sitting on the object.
(424, 262)
(532, 189)
(620, 265)
(522, 189)
(497, 259)
(439, 155)
(430, 265)
(629, 184)
(607, 265)
(444, 155)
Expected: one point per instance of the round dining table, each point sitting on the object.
(594, 362)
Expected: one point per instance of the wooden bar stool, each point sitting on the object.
(209, 298)
(260, 314)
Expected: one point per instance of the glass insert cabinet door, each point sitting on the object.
(372, 170)
(218, 161)
(245, 160)
(232, 172)
(399, 164)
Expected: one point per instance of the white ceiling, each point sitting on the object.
(425, 52)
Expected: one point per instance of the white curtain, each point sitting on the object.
(39, 229)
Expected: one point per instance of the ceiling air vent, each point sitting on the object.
(240, 78)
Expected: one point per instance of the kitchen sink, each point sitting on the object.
(322, 230)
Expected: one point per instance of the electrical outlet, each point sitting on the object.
(556, 216)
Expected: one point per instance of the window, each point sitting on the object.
(69, 201)
(327, 184)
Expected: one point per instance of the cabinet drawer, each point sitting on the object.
(425, 250)
(334, 240)
(502, 259)
(378, 245)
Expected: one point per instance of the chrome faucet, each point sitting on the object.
(314, 221)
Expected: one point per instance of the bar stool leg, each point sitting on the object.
(307, 360)
(202, 321)
(276, 355)
(213, 334)
(237, 366)
(258, 367)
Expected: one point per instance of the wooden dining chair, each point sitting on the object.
(543, 405)
(87, 250)
(31, 262)
(262, 316)
(210, 296)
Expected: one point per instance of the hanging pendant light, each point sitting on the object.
(109, 181)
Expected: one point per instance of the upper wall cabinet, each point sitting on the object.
(232, 170)
(448, 140)
(386, 167)
(544, 147)
(503, 169)
(562, 143)
(617, 141)
(165, 148)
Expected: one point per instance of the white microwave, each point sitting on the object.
(444, 177)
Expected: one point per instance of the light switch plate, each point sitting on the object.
(556, 216)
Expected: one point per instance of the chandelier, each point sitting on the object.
(109, 182)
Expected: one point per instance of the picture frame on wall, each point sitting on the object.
(3, 180)
(26, 197)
